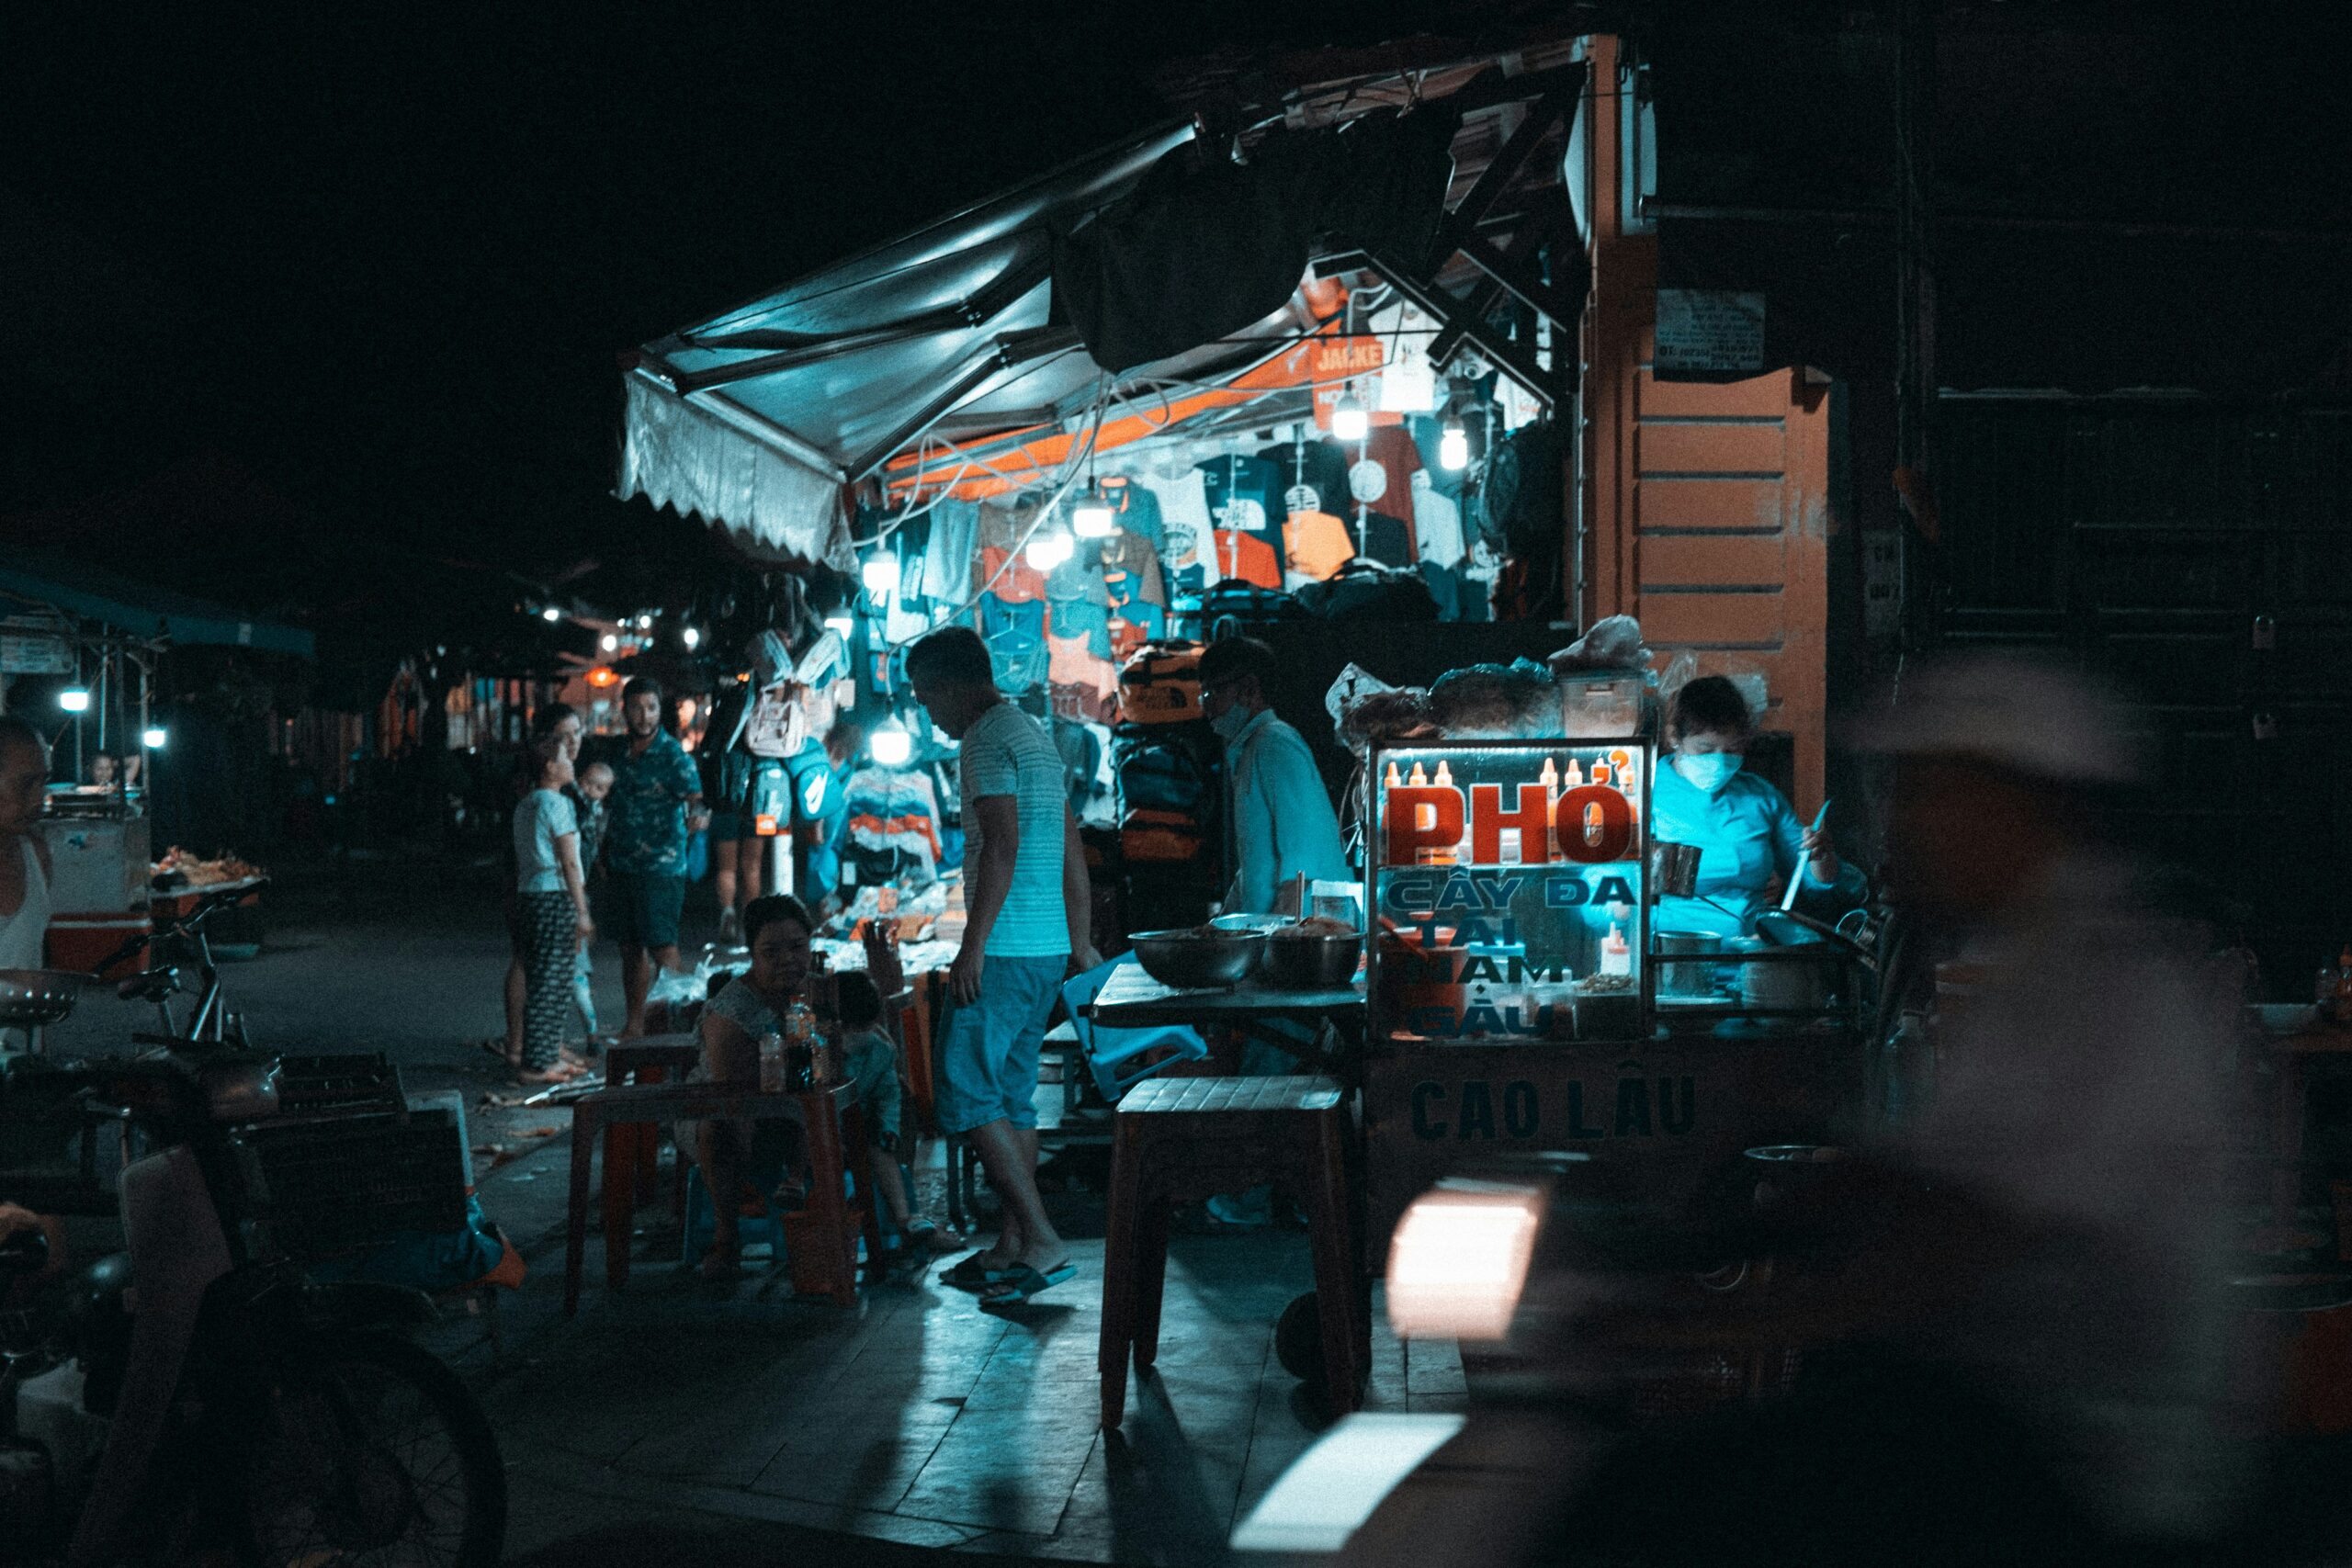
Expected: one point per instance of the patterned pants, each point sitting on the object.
(550, 928)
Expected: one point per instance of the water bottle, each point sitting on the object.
(800, 1041)
(772, 1063)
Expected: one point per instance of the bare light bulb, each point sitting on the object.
(550, 615)
(154, 737)
(892, 746)
(1048, 551)
(74, 699)
(880, 574)
(1350, 421)
(1453, 446)
(691, 638)
(1092, 517)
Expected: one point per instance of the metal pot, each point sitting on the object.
(1312, 963)
(1690, 980)
(1793, 984)
(1193, 960)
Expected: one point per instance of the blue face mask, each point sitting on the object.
(1229, 724)
(1711, 772)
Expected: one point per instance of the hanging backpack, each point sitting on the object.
(776, 726)
(1365, 590)
(1161, 684)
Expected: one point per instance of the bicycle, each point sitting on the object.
(210, 1023)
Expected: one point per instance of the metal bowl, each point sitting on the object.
(1312, 963)
(1192, 959)
(30, 998)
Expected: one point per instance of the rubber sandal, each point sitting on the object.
(928, 1233)
(971, 1274)
(1022, 1284)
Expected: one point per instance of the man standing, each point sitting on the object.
(1283, 827)
(1025, 903)
(656, 802)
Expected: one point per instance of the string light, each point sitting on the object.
(608, 642)
(692, 637)
(550, 615)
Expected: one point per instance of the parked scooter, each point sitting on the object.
(195, 1397)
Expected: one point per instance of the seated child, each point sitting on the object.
(871, 1062)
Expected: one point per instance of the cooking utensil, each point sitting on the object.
(1674, 870)
(1796, 875)
(31, 997)
(1296, 962)
(1782, 984)
(1196, 960)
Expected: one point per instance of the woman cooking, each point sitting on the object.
(1749, 841)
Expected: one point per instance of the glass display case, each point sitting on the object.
(1506, 887)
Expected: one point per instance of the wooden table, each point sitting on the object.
(836, 1132)
(1133, 999)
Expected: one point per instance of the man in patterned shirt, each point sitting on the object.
(656, 802)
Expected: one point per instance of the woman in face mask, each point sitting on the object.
(1750, 841)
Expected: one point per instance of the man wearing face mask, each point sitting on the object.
(1282, 823)
(1748, 838)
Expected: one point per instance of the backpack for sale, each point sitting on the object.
(776, 726)
(1161, 684)
(1367, 591)
(1161, 778)
(1249, 605)
(1161, 837)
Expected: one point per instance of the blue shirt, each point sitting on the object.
(1006, 753)
(1282, 821)
(1746, 836)
(541, 817)
(645, 833)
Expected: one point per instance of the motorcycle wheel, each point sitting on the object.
(373, 1452)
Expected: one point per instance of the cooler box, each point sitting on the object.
(81, 943)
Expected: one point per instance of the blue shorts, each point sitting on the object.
(988, 1051)
(641, 910)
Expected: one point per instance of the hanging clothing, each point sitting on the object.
(948, 553)
(1385, 539)
(1392, 448)
(1084, 619)
(1184, 522)
(1437, 522)
(1250, 557)
(1314, 545)
(1132, 557)
(1244, 495)
(1010, 579)
(1137, 510)
(1320, 466)
(1134, 626)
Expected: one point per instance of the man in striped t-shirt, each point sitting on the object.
(1025, 903)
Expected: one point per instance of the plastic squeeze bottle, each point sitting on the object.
(1616, 953)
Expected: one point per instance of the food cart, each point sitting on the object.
(1514, 995)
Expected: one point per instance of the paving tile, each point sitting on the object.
(1002, 1472)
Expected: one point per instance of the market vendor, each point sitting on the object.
(1283, 827)
(1749, 841)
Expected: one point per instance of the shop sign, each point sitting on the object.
(1339, 360)
(1709, 329)
(1628, 1105)
(27, 649)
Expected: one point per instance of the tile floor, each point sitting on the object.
(916, 1419)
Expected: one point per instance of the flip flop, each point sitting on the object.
(928, 1233)
(1022, 1284)
(971, 1274)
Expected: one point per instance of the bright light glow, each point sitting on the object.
(843, 623)
(154, 737)
(645, 623)
(1453, 446)
(892, 746)
(1092, 517)
(880, 574)
(608, 642)
(1330, 1491)
(1350, 421)
(692, 637)
(550, 615)
(74, 699)
(1048, 551)
(1459, 1261)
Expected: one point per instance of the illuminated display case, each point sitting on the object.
(1506, 888)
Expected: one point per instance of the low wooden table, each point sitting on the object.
(836, 1133)
(1133, 999)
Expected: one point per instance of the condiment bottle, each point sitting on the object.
(1392, 781)
(1616, 953)
(1576, 775)
(1418, 776)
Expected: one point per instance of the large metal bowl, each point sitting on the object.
(1192, 959)
(31, 997)
(1312, 963)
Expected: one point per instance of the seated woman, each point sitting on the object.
(1748, 838)
(776, 928)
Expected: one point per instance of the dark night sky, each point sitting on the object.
(383, 255)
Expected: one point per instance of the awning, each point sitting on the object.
(915, 356)
(136, 609)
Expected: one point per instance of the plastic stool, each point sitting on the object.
(702, 1220)
(1114, 1056)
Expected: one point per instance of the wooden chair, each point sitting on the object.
(821, 1238)
(633, 1150)
(1184, 1140)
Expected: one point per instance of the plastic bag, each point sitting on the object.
(1365, 708)
(1614, 643)
(1495, 701)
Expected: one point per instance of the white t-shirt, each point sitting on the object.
(1006, 753)
(540, 818)
(1437, 518)
(1183, 521)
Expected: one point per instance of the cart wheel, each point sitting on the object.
(1298, 1339)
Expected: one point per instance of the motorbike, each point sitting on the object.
(196, 1397)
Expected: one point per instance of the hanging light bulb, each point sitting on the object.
(880, 573)
(1093, 518)
(74, 699)
(609, 643)
(1453, 446)
(1049, 550)
(645, 623)
(154, 737)
(843, 623)
(1350, 421)
(691, 638)
(890, 744)
(550, 615)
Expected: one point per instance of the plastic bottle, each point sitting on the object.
(771, 1064)
(1549, 778)
(1392, 781)
(1444, 779)
(1616, 953)
(1574, 779)
(799, 1045)
(1417, 776)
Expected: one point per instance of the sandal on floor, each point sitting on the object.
(1022, 1284)
(971, 1274)
(931, 1236)
(494, 1045)
(542, 1078)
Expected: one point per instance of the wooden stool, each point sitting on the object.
(1183, 1140)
